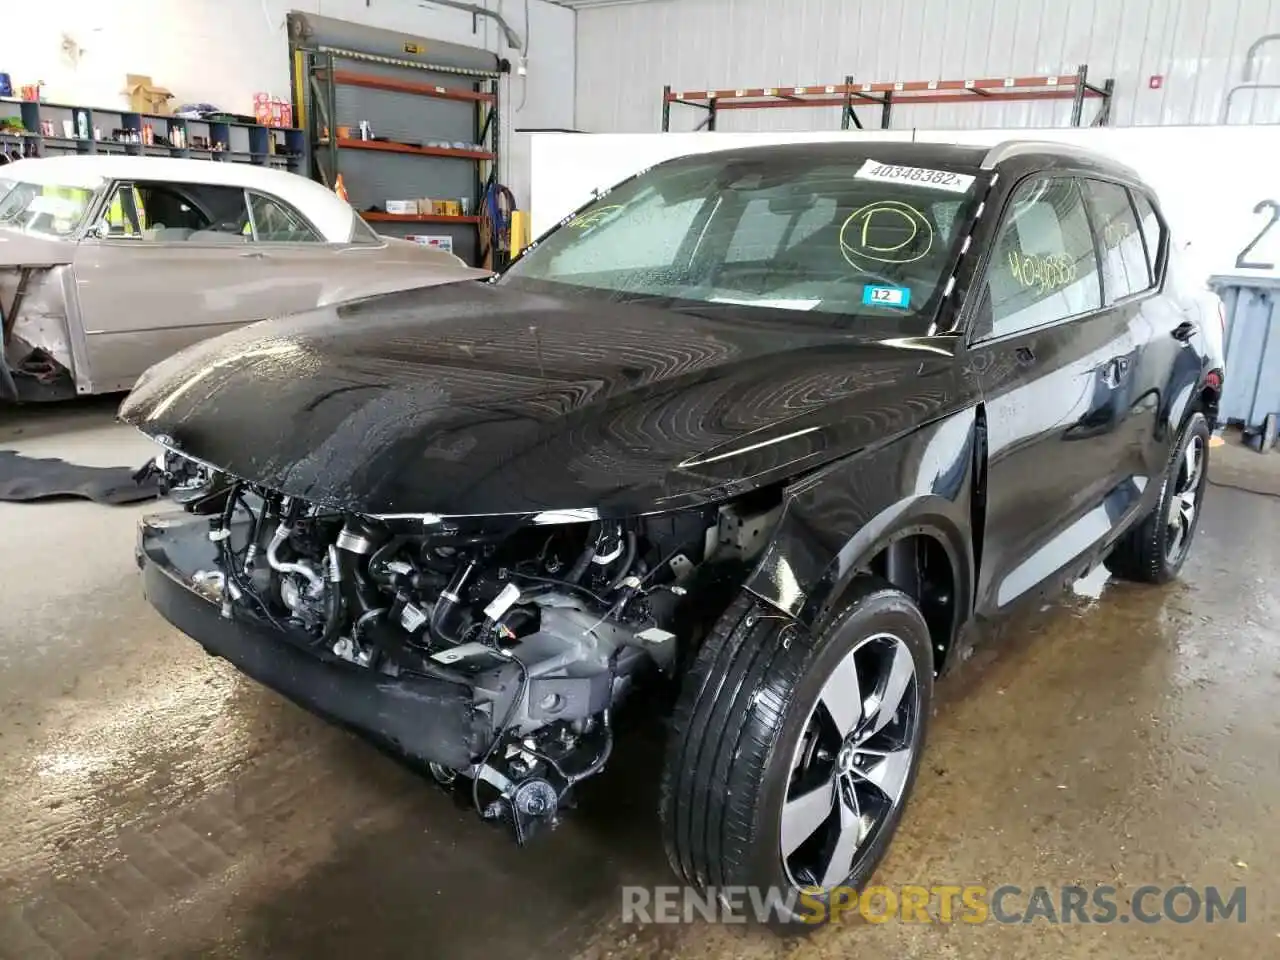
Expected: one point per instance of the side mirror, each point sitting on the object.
(97, 231)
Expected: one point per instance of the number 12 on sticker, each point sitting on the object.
(886, 296)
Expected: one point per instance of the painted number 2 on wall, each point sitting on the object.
(1242, 261)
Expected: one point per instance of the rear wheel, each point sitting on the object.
(793, 755)
(1155, 549)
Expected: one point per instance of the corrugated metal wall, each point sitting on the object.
(626, 53)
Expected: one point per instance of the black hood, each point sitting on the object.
(483, 399)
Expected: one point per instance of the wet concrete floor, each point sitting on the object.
(153, 803)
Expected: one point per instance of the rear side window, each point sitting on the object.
(1125, 270)
(177, 213)
(1044, 267)
(276, 222)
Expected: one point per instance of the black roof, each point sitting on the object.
(941, 155)
(832, 151)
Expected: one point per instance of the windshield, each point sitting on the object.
(44, 208)
(859, 238)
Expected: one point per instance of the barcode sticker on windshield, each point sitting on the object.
(916, 176)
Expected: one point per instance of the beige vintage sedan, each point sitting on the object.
(109, 264)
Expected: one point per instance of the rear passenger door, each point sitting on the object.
(1123, 220)
(1053, 362)
(1173, 341)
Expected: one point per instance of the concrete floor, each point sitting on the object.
(155, 804)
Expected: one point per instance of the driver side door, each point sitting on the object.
(1054, 364)
(168, 265)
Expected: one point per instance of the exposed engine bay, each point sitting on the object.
(548, 624)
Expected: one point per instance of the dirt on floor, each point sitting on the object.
(154, 803)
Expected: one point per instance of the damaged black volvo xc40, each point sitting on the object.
(775, 427)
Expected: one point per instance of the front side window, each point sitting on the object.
(1125, 270)
(1043, 267)
(276, 222)
(43, 208)
(860, 238)
(153, 212)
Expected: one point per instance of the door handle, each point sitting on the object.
(1025, 355)
(1185, 331)
(255, 255)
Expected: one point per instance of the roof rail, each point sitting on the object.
(1008, 149)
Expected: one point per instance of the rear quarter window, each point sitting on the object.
(362, 233)
(1126, 269)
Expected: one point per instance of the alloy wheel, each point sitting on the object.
(1184, 504)
(851, 766)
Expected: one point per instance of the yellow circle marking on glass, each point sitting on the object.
(866, 225)
(863, 249)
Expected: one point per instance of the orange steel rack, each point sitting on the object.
(1074, 87)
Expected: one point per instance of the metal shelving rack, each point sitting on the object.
(327, 69)
(283, 147)
(850, 94)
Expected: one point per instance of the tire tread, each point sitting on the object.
(1139, 555)
(726, 722)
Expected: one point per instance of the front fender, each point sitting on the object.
(837, 519)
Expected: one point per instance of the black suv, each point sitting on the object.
(774, 427)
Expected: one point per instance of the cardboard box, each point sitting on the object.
(402, 206)
(452, 208)
(439, 243)
(144, 96)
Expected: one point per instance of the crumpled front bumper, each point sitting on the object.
(426, 719)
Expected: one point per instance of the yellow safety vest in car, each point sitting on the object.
(119, 221)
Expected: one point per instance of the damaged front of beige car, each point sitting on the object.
(39, 226)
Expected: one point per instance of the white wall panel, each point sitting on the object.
(627, 53)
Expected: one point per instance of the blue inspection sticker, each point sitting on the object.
(899, 297)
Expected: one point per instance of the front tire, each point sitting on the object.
(1156, 548)
(793, 755)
